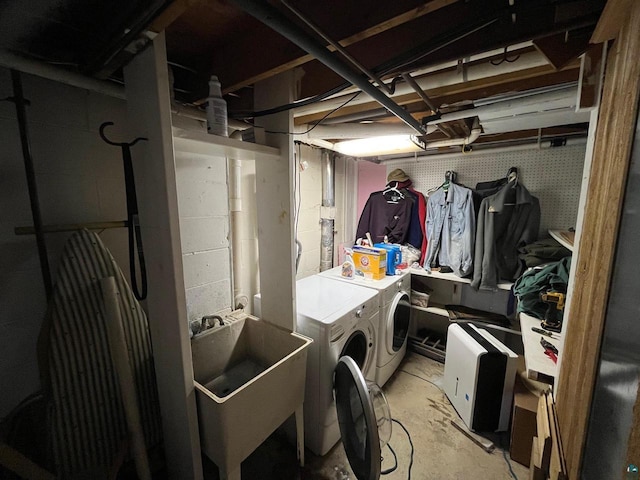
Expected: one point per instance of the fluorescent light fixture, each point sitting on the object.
(386, 145)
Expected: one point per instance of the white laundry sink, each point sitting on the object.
(249, 378)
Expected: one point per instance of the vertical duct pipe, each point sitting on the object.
(235, 212)
(327, 216)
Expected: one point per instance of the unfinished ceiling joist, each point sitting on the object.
(414, 13)
(282, 25)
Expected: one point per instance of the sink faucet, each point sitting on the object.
(205, 321)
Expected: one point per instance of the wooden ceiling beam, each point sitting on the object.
(613, 17)
(481, 88)
(559, 49)
(171, 14)
(381, 27)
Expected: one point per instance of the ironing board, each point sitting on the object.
(86, 419)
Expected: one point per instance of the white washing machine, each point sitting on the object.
(341, 320)
(395, 313)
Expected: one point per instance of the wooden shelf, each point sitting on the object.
(201, 143)
(564, 238)
(539, 366)
(451, 277)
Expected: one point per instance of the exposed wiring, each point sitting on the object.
(410, 443)
(318, 122)
(423, 379)
(183, 67)
(292, 105)
(506, 459)
(380, 70)
(504, 59)
(445, 44)
(394, 82)
(395, 465)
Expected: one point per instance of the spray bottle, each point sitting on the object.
(348, 266)
(216, 109)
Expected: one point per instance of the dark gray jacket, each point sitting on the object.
(507, 221)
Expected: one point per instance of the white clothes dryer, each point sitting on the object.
(395, 314)
(342, 321)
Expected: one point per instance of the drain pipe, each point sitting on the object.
(328, 211)
(272, 17)
(240, 299)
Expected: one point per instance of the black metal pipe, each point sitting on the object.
(21, 112)
(272, 17)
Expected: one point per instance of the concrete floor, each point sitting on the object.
(441, 451)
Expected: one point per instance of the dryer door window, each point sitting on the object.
(357, 420)
(398, 322)
(356, 348)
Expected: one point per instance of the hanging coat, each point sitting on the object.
(508, 220)
(382, 216)
(451, 229)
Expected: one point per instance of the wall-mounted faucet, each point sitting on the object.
(199, 326)
(205, 321)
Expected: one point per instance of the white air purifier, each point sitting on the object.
(479, 372)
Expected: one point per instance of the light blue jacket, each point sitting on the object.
(451, 229)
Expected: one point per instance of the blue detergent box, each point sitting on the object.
(394, 256)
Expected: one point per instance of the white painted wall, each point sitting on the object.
(203, 204)
(310, 201)
(80, 179)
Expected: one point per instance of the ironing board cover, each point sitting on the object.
(86, 419)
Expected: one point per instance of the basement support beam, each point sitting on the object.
(588, 306)
(149, 109)
(275, 199)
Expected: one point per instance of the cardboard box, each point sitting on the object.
(523, 425)
(535, 472)
(370, 262)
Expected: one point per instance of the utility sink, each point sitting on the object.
(249, 378)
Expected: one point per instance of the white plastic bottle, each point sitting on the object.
(216, 109)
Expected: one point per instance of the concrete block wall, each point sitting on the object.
(79, 178)
(203, 205)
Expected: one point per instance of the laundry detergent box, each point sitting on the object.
(370, 262)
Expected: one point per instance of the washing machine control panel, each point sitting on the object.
(353, 319)
(403, 284)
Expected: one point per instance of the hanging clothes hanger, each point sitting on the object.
(512, 181)
(393, 189)
(449, 177)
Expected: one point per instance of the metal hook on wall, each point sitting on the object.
(133, 222)
(117, 144)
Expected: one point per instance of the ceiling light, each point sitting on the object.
(377, 146)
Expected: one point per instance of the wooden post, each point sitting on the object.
(149, 108)
(614, 138)
(274, 194)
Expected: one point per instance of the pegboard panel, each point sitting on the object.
(554, 175)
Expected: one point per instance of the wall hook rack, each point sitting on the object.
(133, 222)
